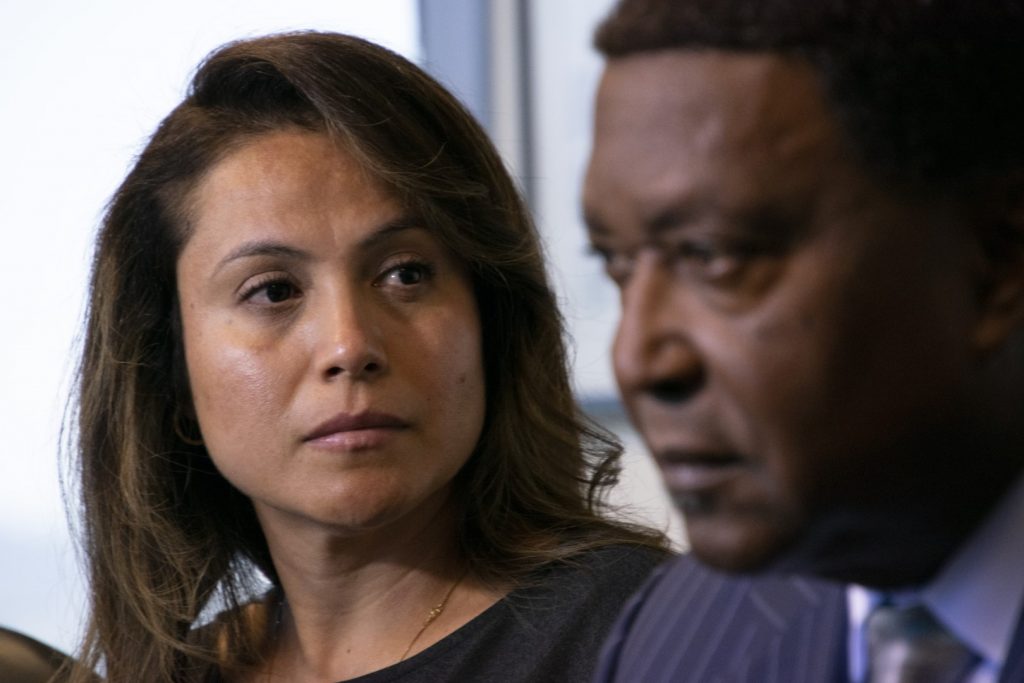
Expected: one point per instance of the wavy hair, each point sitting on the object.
(162, 531)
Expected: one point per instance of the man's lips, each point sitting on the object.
(353, 429)
(697, 471)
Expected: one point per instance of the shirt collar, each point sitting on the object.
(977, 595)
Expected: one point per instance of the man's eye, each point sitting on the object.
(702, 252)
(709, 260)
(617, 265)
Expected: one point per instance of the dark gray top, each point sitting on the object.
(551, 630)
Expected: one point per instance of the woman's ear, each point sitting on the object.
(181, 390)
(1001, 236)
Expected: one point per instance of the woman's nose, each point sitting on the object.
(351, 342)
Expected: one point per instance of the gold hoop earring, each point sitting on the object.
(183, 434)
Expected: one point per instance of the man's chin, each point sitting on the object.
(735, 547)
(848, 549)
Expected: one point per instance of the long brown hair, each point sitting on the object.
(163, 531)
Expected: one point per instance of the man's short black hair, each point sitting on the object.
(930, 92)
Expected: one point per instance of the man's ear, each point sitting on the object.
(1001, 237)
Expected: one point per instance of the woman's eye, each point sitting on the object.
(270, 291)
(276, 292)
(406, 275)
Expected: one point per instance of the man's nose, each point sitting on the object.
(653, 350)
(350, 340)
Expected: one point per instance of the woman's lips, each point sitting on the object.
(354, 432)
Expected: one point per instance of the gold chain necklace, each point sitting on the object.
(432, 616)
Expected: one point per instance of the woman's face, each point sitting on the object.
(333, 344)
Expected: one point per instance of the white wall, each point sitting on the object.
(565, 74)
(566, 71)
(82, 84)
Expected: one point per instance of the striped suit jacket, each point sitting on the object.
(690, 624)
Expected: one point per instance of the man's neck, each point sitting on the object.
(895, 546)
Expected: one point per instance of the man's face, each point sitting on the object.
(795, 341)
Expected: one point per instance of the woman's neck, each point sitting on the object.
(355, 604)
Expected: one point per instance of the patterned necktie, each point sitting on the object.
(907, 645)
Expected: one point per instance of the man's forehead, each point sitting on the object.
(750, 91)
(681, 129)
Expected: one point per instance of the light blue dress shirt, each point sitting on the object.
(977, 595)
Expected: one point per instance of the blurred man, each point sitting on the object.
(814, 213)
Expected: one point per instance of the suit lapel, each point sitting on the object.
(799, 632)
(763, 630)
(1013, 668)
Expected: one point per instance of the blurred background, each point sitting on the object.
(84, 84)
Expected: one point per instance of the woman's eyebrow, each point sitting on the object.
(263, 248)
(388, 230)
(266, 247)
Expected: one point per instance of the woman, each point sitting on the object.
(321, 346)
